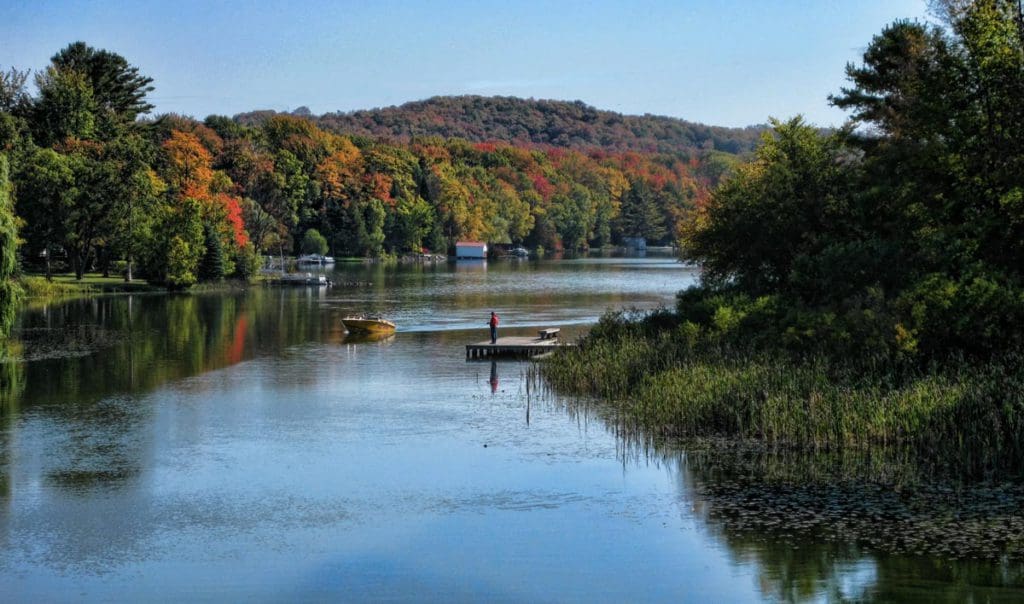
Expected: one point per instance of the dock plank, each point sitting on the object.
(512, 346)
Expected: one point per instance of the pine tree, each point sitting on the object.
(640, 214)
(212, 266)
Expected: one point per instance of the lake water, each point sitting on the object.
(230, 447)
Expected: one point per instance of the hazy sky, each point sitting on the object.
(725, 62)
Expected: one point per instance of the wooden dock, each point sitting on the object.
(299, 279)
(521, 346)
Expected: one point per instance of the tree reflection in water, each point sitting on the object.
(881, 524)
(856, 527)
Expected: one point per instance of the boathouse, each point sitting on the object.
(472, 250)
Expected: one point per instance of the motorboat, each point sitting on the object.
(520, 252)
(363, 324)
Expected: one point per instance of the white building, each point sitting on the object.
(473, 250)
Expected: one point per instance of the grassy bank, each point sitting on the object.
(65, 285)
(668, 380)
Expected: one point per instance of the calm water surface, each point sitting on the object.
(241, 446)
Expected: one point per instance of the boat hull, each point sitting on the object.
(365, 337)
(365, 325)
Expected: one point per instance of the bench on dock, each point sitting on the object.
(547, 334)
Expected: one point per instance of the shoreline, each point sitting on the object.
(961, 413)
(64, 288)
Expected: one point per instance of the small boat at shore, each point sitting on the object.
(363, 324)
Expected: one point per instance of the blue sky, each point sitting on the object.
(727, 62)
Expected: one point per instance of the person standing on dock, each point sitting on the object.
(494, 327)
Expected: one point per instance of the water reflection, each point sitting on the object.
(151, 443)
(90, 349)
(838, 527)
(364, 338)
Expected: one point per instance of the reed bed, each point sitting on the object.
(673, 382)
(40, 287)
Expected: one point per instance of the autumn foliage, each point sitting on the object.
(371, 196)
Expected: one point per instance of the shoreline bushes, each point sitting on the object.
(684, 381)
(861, 287)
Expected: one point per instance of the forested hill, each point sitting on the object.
(567, 124)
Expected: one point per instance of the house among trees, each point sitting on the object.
(471, 250)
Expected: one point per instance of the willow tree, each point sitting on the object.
(8, 258)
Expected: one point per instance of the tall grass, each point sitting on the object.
(669, 381)
(40, 287)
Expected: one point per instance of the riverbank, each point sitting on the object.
(65, 285)
(667, 381)
(62, 287)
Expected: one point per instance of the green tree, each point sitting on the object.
(181, 264)
(350, 229)
(99, 187)
(374, 217)
(943, 144)
(47, 191)
(134, 196)
(88, 95)
(211, 268)
(314, 243)
(8, 253)
(291, 184)
(788, 203)
(413, 222)
(903, 233)
(264, 230)
(451, 199)
(177, 245)
(574, 217)
(65, 107)
(247, 262)
(118, 89)
(640, 214)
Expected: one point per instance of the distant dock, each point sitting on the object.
(513, 346)
(299, 279)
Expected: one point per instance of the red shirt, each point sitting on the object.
(494, 320)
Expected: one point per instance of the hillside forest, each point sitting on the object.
(528, 122)
(99, 184)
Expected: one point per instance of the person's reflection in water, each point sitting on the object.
(494, 376)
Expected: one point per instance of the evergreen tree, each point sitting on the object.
(247, 262)
(211, 268)
(118, 89)
(640, 215)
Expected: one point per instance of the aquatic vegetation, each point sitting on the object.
(676, 382)
(794, 501)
